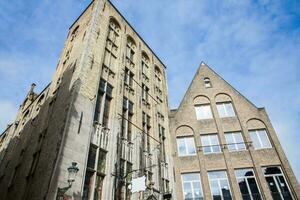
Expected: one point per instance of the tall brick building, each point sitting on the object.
(106, 109)
(106, 113)
(225, 147)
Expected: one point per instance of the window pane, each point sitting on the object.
(181, 146)
(255, 140)
(205, 140)
(225, 109)
(240, 141)
(203, 112)
(192, 186)
(225, 189)
(254, 188)
(264, 138)
(191, 177)
(221, 110)
(272, 170)
(219, 185)
(273, 188)
(230, 141)
(243, 187)
(214, 140)
(283, 188)
(229, 110)
(215, 187)
(190, 145)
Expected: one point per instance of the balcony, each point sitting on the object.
(100, 136)
(127, 147)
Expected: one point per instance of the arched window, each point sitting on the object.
(130, 50)
(207, 82)
(145, 65)
(114, 30)
(112, 42)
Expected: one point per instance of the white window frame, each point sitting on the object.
(260, 140)
(198, 112)
(219, 185)
(210, 144)
(275, 180)
(246, 180)
(221, 105)
(193, 181)
(235, 144)
(186, 146)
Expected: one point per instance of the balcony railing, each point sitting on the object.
(100, 136)
(226, 146)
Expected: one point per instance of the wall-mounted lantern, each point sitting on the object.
(72, 172)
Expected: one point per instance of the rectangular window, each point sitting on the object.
(277, 183)
(186, 146)
(87, 185)
(219, 185)
(106, 112)
(145, 93)
(210, 144)
(235, 141)
(129, 53)
(92, 157)
(203, 112)
(144, 68)
(260, 139)
(248, 185)
(225, 109)
(128, 77)
(191, 185)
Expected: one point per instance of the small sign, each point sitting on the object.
(138, 184)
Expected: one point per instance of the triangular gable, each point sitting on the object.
(196, 79)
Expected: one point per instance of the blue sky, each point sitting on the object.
(254, 45)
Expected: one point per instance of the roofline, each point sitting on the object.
(230, 85)
(128, 25)
(202, 62)
(81, 14)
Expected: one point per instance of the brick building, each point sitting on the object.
(225, 147)
(106, 113)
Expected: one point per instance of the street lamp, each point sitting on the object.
(72, 171)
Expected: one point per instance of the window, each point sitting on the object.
(145, 65)
(247, 183)
(203, 112)
(219, 185)
(92, 157)
(186, 146)
(225, 109)
(128, 77)
(145, 93)
(235, 141)
(113, 31)
(210, 144)
(260, 139)
(146, 129)
(127, 116)
(207, 82)
(191, 184)
(162, 138)
(278, 186)
(130, 51)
